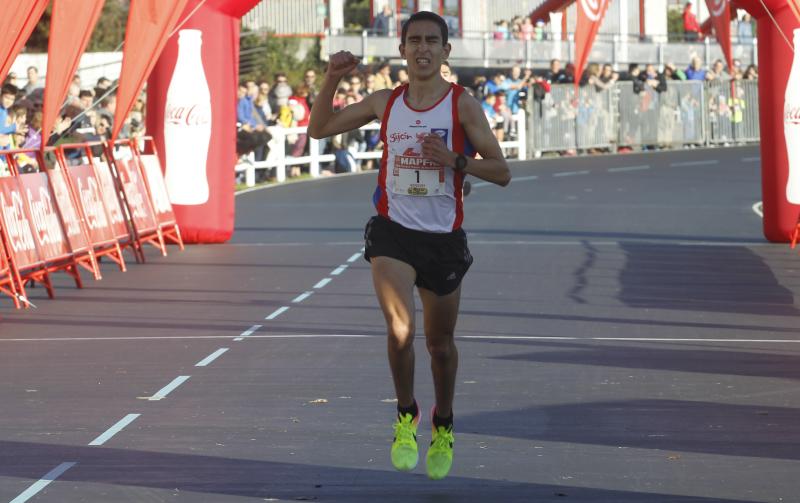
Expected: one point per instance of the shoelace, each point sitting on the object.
(443, 438)
(403, 429)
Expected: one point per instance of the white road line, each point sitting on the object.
(627, 168)
(122, 423)
(210, 358)
(354, 257)
(169, 388)
(322, 283)
(758, 209)
(693, 163)
(247, 332)
(43, 482)
(751, 159)
(300, 298)
(571, 173)
(478, 185)
(276, 313)
(622, 339)
(554, 338)
(339, 270)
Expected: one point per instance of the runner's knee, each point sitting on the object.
(442, 348)
(401, 334)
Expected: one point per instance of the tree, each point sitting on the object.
(263, 54)
(108, 34)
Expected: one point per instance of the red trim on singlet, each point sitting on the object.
(383, 202)
(458, 147)
(405, 100)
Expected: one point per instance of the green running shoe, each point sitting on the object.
(440, 453)
(405, 453)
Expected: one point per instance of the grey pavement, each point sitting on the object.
(626, 335)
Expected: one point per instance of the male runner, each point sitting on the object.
(429, 128)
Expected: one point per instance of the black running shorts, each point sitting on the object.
(440, 259)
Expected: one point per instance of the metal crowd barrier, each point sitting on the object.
(687, 113)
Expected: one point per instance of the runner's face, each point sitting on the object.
(423, 49)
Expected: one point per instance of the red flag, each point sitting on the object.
(16, 28)
(590, 16)
(795, 5)
(150, 23)
(720, 11)
(71, 26)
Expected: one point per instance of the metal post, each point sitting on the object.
(280, 168)
(614, 40)
(707, 42)
(250, 171)
(364, 47)
(313, 152)
(522, 136)
(486, 50)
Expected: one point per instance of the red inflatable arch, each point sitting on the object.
(202, 195)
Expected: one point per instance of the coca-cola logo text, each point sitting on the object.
(395, 137)
(92, 207)
(68, 213)
(17, 225)
(791, 115)
(44, 217)
(188, 115)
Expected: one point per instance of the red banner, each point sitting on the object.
(16, 26)
(136, 194)
(71, 26)
(795, 6)
(151, 168)
(17, 225)
(149, 25)
(590, 17)
(720, 11)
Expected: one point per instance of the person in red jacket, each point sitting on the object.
(691, 28)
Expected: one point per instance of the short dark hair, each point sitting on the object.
(9, 89)
(424, 15)
(85, 93)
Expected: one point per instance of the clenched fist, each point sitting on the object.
(340, 64)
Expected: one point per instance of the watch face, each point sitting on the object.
(461, 162)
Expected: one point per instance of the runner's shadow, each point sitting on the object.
(702, 278)
(207, 476)
(668, 425)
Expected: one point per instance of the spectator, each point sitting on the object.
(538, 31)
(369, 84)
(282, 82)
(653, 80)
(108, 107)
(527, 29)
(300, 115)
(310, 81)
(501, 31)
(555, 75)
(11, 78)
(8, 95)
(244, 107)
(744, 30)
(33, 139)
(103, 83)
(569, 74)
(691, 28)
(695, 70)
(608, 75)
(355, 88)
(402, 77)
(497, 83)
(751, 73)
(502, 115)
(383, 77)
(382, 24)
(33, 80)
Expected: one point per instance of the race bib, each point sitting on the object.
(414, 175)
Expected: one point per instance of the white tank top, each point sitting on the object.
(414, 191)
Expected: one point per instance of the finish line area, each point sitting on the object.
(626, 334)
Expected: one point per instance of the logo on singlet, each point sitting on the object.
(441, 132)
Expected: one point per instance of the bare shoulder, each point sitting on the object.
(379, 100)
(468, 107)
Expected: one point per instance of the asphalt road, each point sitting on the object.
(626, 335)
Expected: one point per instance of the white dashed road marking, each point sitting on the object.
(43, 482)
(322, 283)
(693, 163)
(627, 168)
(339, 270)
(122, 423)
(571, 173)
(354, 257)
(303, 296)
(210, 358)
(277, 312)
(169, 388)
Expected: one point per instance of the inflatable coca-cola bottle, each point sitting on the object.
(187, 124)
(791, 125)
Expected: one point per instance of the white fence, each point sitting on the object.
(279, 160)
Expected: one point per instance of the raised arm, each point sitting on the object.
(324, 121)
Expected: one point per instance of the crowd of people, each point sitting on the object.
(263, 105)
(87, 113)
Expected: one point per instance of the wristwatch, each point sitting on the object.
(461, 162)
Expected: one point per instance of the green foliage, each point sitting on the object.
(675, 25)
(263, 55)
(356, 14)
(107, 35)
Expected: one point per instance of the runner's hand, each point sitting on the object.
(340, 64)
(434, 148)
